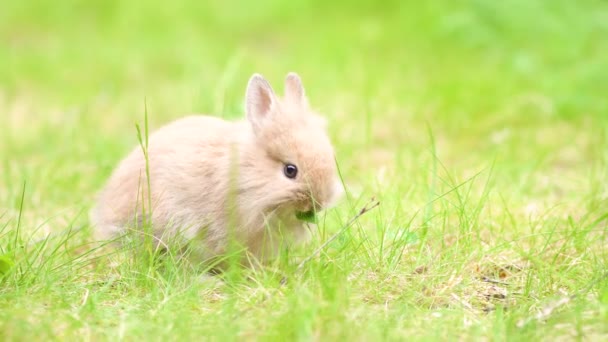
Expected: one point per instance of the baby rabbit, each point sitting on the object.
(211, 180)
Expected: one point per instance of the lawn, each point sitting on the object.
(481, 127)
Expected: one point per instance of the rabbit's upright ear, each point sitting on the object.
(294, 90)
(260, 100)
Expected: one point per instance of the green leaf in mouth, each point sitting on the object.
(308, 216)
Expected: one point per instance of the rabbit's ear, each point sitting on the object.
(294, 90)
(260, 100)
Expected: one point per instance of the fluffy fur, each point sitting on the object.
(210, 177)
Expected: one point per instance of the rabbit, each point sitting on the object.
(212, 180)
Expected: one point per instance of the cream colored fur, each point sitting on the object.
(208, 176)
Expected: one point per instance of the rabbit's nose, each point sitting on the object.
(308, 206)
(313, 205)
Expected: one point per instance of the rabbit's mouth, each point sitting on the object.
(307, 216)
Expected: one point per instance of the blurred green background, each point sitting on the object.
(478, 56)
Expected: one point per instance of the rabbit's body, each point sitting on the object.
(212, 179)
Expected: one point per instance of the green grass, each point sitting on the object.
(480, 126)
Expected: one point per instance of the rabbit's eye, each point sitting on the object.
(290, 171)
